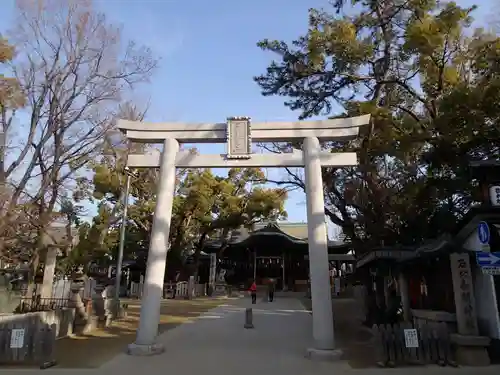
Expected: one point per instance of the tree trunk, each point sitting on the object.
(33, 265)
(197, 255)
(223, 247)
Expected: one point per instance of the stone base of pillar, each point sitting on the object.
(118, 310)
(145, 350)
(324, 355)
(85, 328)
(472, 356)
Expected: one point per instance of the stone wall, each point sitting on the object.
(62, 318)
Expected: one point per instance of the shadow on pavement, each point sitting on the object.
(101, 345)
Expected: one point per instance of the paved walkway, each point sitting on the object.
(217, 344)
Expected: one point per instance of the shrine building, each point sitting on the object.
(278, 251)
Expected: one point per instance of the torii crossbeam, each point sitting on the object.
(239, 134)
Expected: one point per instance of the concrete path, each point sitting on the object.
(217, 344)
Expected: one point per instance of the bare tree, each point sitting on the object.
(74, 71)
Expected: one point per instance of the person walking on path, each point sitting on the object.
(270, 290)
(253, 292)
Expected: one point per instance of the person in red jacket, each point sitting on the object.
(253, 292)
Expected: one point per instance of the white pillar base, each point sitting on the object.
(324, 355)
(145, 350)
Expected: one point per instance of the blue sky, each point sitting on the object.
(208, 57)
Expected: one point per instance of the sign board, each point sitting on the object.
(490, 270)
(17, 338)
(483, 232)
(488, 259)
(239, 142)
(495, 196)
(489, 262)
(411, 338)
(463, 289)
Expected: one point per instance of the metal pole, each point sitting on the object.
(284, 284)
(121, 246)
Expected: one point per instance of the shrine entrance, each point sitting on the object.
(239, 133)
(269, 268)
(273, 250)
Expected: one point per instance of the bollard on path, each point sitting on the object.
(248, 318)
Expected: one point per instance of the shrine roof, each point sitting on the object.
(471, 219)
(488, 170)
(295, 230)
(446, 243)
(387, 254)
(293, 233)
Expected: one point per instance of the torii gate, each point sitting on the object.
(239, 134)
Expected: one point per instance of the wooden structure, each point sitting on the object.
(415, 344)
(275, 250)
(439, 282)
(377, 271)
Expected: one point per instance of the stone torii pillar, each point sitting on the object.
(239, 135)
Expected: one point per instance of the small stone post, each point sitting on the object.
(249, 318)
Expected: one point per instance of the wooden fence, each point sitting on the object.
(181, 289)
(404, 344)
(32, 344)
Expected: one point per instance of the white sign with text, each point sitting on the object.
(17, 338)
(411, 338)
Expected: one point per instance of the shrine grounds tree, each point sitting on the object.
(214, 206)
(205, 206)
(11, 99)
(72, 70)
(430, 82)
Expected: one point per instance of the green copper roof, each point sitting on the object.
(294, 233)
(296, 230)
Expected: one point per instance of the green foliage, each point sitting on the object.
(11, 95)
(229, 202)
(430, 83)
(204, 205)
